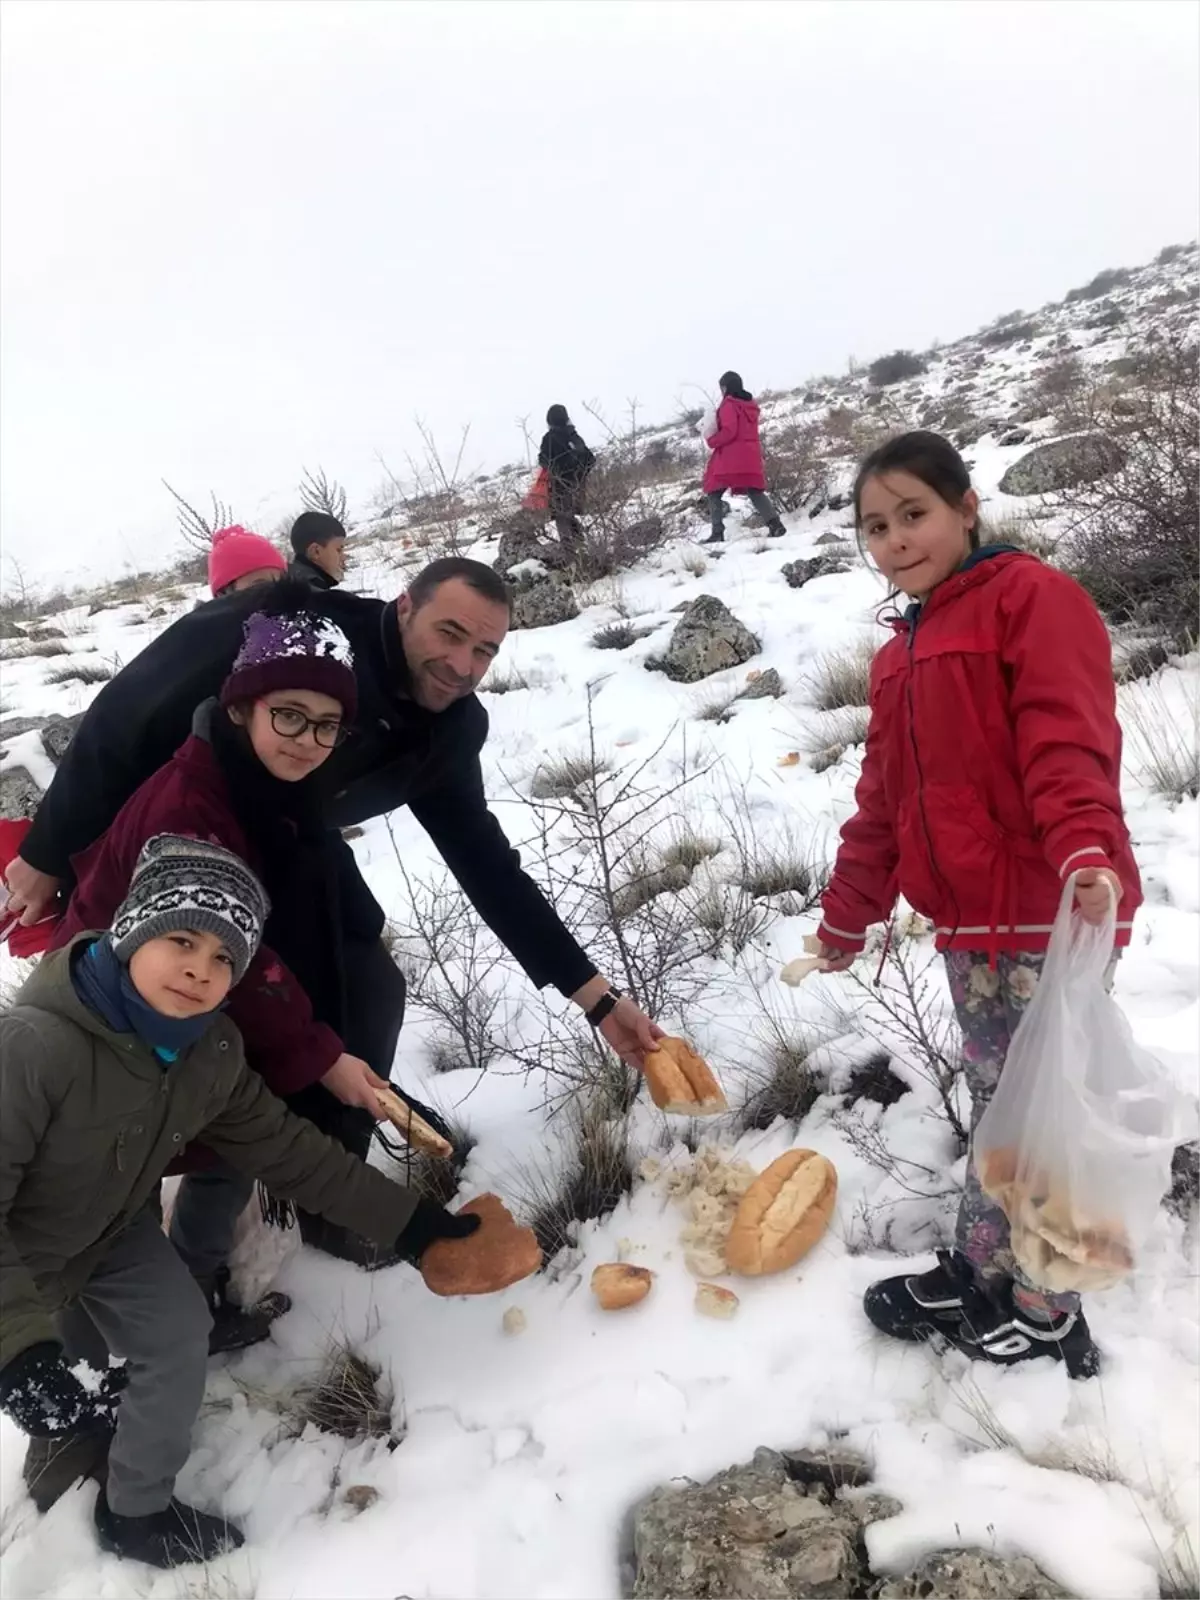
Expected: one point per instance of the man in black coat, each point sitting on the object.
(417, 742)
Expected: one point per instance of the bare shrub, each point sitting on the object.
(439, 501)
(586, 1176)
(563, 776)
(788, 869)
(838, 731)
(1162, 728)
(694, 562)
(842, 678)
(690, 850)
(1021, 529)
(794, 464)
(780, 1083)
(1103, 283)
(505, 680)
(197, 527)
(1132, 533)
(615, 636)
(716, 704)
(86, 672)
(895, 368)
(25, 649)
(1013, 329)
(324, 494)
(346, 1399)
(1056, 388)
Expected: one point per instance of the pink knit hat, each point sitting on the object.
(235, 552)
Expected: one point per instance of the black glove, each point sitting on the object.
(429, 1222)
(43, 1396)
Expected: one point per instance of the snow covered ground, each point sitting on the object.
(523, 1452)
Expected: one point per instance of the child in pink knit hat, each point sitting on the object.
(238, 559)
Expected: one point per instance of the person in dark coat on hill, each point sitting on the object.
(246, 778)
(736, 462)
(319, 550)
(567, 461)
(418, 735)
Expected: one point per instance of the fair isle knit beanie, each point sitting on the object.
(292, 649)
(182, 884)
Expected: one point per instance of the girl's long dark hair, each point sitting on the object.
(732, 386)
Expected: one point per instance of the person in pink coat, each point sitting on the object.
(736, 461)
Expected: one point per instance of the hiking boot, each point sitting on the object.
(332, 1240)
(166, 1538)
(237, 1327)
(775, 530)
(714, 538)
(917, 1307)
(53, 1465)
(997, 1330)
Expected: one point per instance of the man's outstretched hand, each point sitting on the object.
(630, 1032)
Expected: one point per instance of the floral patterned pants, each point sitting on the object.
(989, 1002)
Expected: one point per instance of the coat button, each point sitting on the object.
(224, 1045)
(175, 1138)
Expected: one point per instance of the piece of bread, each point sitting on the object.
(681, 1082)
(496, 1255)
(782, 1214)
(713, 1301)
(414, 1129)
(618, 1284)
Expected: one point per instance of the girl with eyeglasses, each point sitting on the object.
(247, 779)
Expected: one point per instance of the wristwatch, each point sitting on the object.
(604, 1007)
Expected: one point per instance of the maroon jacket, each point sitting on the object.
(190, 795)
(993, 764)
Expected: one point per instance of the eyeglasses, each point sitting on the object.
(329, 732)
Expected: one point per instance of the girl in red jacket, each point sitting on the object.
(736, 461)
(245, 780)
(991, 775)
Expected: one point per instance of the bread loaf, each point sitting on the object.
(617, 1284)
(681, 1082)
(497, 1254)
(414, 1129)
(713, 1301)
(1057, 1246)
(782, 1214)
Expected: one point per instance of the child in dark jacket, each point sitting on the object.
(991, 778)
(567, 461)
(247, 779)
(115, 1056)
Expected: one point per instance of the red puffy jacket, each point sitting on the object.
(992, 766)
(736, 461)
(190, 795)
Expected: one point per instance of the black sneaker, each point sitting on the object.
(714, 538)
(167, 1538)
(917, 1307)
(238, 1327)
(997, 1331)
(53, 1465)
(775, 530)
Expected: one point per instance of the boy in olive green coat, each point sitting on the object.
(115, 1056)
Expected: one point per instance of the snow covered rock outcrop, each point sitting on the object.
(539, 600)
(797, 573)
(952, 1574)
(1061, 464)
(708, 638)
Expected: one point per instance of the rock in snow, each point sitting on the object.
(708, 638)
(1062, 464)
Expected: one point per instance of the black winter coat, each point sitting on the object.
(399, 755)
(568, 461)
(301, 570)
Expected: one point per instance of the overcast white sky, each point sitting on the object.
(238, 238)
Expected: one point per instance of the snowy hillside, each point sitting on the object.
(516, 1446)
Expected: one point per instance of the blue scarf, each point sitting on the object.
(105, 987)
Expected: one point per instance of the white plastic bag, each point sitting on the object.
(707, 425)
(1076, 1143)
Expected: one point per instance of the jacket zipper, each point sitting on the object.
(912, 738)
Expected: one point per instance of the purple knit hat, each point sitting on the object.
(299, 650)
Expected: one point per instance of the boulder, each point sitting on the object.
(708, 638)
(19, 794)
(1014, 436)
(798, 573)
(767, 686)
(539, 600)
(952, 1574)
(57, 735)
(834, 1465)
(522, 540)
(12, 727)
(1185, 1180)
(749, 1533)
(1062, 464)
